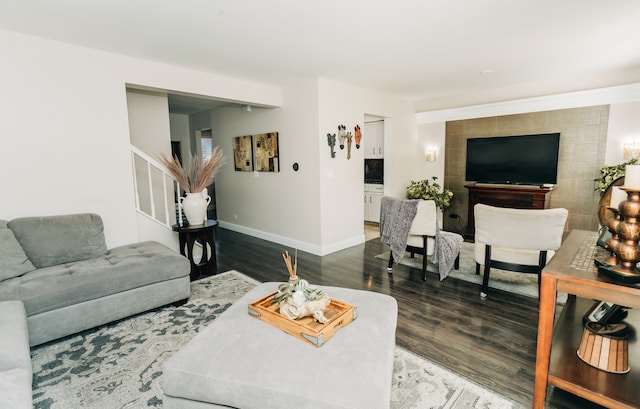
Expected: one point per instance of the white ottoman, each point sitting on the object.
(242, 362)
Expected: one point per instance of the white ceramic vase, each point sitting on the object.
(194, 207)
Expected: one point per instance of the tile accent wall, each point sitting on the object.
(583, 135)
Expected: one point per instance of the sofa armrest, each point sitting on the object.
(15, 357)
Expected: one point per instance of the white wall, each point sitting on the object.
(149, 131)
(149, 127)
(282, 207)
(70, 103)
(64, 135)
(624, 127)
(624, 117)
(431, 135)
(179, 125)
(341, 180)
(64, 132)
(319, 208)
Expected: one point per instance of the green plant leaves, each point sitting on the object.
(430, 190)
(609, 173)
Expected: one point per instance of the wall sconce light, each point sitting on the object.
(431, 154)
(631, 150)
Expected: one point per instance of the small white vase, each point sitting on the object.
(194, 207)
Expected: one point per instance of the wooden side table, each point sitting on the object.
(557, 362)
(205, 235)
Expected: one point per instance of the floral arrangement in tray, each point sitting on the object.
(297, 298)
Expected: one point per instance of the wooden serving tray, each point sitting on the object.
(307, 329)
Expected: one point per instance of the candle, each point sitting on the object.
(617, 196)
(632, 177)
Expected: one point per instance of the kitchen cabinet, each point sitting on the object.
(373, 140)
(372, 201)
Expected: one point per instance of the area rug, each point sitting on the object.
(517, 283)
(119, 365)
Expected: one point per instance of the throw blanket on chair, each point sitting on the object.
(447, 249)
(396, 216)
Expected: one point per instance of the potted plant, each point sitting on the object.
(610, 173)
(430, 190)
(194, 180)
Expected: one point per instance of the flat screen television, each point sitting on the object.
(516, 160)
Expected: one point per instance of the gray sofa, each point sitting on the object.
(60, 271)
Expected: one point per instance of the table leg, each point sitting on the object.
(548, 294)
(183, 244)
(208, 266)
(190, 241)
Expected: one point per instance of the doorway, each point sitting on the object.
(205, 136)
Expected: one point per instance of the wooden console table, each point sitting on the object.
(518, 197)
(571, 271)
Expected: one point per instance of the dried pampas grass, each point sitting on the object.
(199, 175)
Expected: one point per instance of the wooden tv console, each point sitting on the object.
(519, 197)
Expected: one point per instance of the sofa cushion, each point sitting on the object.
(54, 240)
(121, 269)
(13, 261)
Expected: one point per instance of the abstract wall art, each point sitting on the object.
(266, 152)
(243, 153)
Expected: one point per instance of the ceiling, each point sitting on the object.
(438, 53)
(183, 104)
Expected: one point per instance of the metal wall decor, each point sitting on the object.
(331, 141)
(344, 136)
(358, 135)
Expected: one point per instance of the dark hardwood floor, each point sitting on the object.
(491, 342)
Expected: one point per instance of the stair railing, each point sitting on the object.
(154, 188)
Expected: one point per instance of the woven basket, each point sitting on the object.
(607, 352)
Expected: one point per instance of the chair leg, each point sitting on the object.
(477, 268)
(424, 258)
(542, 261)
(424, 268)
(487, 269)
(424, 264)
(390, 265)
